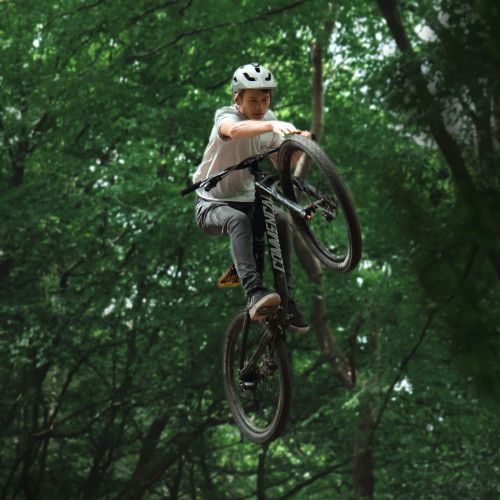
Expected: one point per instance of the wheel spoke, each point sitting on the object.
(331, 229)
(261, 400)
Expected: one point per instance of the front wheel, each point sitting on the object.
(260, 401)
(330, 227)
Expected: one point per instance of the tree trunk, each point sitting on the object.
(363, 474)
(342, 369)
(334, 354)
(261, 473)
(335, 357)
(364, 478)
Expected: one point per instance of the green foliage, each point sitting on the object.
(111, 323)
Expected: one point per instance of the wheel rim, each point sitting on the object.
(256, 400)
(332, 228)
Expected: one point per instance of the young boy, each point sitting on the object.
(245, 129)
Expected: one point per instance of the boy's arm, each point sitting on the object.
(252, 128)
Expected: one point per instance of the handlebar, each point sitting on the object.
(190, 189)
(213, 180)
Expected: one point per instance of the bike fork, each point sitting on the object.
(249, 371)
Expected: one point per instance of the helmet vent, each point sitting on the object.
(252, 76)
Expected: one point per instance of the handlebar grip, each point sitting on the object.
(190, 189)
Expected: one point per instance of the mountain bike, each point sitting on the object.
(256, 370)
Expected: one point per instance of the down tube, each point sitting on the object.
(265, 206)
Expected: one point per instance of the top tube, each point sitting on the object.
(212, 180)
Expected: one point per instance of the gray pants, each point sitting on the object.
(235, 220)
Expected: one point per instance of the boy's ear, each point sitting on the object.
(237, 99)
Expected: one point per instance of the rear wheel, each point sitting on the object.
(331, 229)
(260, 401)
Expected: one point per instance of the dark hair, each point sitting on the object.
(242, 91)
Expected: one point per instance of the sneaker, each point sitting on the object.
(296, 322)
(260, 301)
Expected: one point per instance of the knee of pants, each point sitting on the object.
(239, 224)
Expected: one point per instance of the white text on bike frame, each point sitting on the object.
(272, 234)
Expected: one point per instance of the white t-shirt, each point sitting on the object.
(224, 153)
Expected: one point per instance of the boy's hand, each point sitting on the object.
(305, 133)
(284, 128)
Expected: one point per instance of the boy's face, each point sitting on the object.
(254, 103)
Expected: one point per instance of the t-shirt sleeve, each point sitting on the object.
(223, 115)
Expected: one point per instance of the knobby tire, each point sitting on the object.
(261, 415)
(334, 240)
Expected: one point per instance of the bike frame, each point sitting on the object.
(262, 182)
(254, 352)
(264, 224)
(266, 192)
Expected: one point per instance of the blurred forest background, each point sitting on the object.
(111, 324)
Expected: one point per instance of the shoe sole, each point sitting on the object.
(259, 309)
(298, 329)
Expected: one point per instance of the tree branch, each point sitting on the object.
(313, 479)
(207, 29)
(404, 363)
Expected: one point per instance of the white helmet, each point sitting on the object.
(252, 76)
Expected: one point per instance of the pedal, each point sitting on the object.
(230, 277)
